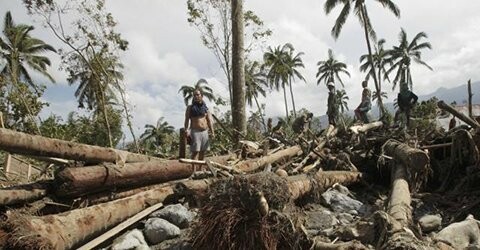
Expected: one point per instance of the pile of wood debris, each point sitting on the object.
(404, 192)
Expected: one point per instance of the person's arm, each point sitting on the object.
(415, 98)
(186, 124)
(210, 123)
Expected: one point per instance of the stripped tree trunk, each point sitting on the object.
(68, 230)
(23, 193)
(21, 143)
(365, 127)
(464, 118)
(93, 179)
(254, 164)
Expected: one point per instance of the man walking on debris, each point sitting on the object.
(331, 104)
(406, 99)
(366, 104)
(198, 122)
(302, 123)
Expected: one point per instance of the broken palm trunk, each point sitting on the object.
(68, 230)
(23, 193)
(72, 182)
(363, 128)
(415, 160)
(26, 144)
(246, 212)
(254, 164)
(453, 111)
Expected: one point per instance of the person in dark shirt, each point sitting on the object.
(406, 99)
(302, 123)
(331, 104)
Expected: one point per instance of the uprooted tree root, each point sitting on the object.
(232, 217)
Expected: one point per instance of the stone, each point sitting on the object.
(131, 240)
(429, 223)
(176, 214)
(461, 235)
(157, 230)
(340, 202)
(320, 220)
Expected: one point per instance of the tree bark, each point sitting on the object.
(72, 182)
(399, 204)
(464, 118)
(21, 143)
(67, 230)
(293, 99)
(254, 164)
(238, 67)
(23, 193)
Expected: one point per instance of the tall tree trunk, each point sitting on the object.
(260, 113)
(128, 116)
(26, 144)
(105, 117)
(293, 99)
(285, 99)
(73, 182)
(470, 95)
(238, 66)
(381, 108)
(363, 13)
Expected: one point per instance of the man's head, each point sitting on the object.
(309, 115)
(197, 95)
(364, 84)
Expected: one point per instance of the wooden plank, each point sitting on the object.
(183, 160)
(115, 230)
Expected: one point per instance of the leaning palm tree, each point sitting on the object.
(329, 70)
(202, 85)
(404, 53)
(157, 133)
(278, 70)
(293, 63)
(20, 51)
(377, 68)
(256, 82)
(95, 77)
(360, 10)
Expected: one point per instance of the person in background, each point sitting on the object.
(198, 123)
(406, 99)
(366, 104)
(331, 104)
(301, 124)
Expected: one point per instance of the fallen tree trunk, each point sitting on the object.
(365, 127)
(453, 111)
(26, 144)
(399, 204)
(72, 182)
(254, 164)
(23, 193)
(330, 132)
(68, 230)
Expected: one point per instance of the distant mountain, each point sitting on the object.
(458, 94)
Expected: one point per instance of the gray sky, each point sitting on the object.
(165, 52)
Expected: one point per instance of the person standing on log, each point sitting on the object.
(406, 99)
(198, 122)
(366, 104)
(301, 124)
(332, 109)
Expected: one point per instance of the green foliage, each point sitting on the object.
(160, 139)
(424, 116)
(330, 69)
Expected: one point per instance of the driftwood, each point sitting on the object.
(464, 118)
(363, 128)
(254, 164)
(68, 230)
(26, 144)
(73, 182)
(23, 193)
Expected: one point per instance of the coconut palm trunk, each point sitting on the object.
(254, 164)
(293, 99)
(363, 13)
(285, 100)
(23, 193)
(27, 144)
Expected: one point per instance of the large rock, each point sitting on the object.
(176, 214)
(131, 240)
(429, 223)
(461, 235)
(339, 201)
(157, 230)
(319, 220)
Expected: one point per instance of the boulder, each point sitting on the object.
(429, 223)
(176, 214)
(157, 230)
(131, 240)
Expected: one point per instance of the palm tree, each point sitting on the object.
(294, 62)
(256, 82)
(202, 85)
(342, 100)
(377, 68)
(20, 50)
(403, 54)
(278, 69)
(330, 69)
(360, 10)
(157, 133)
(95, 79)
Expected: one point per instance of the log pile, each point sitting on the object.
(365, 187)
